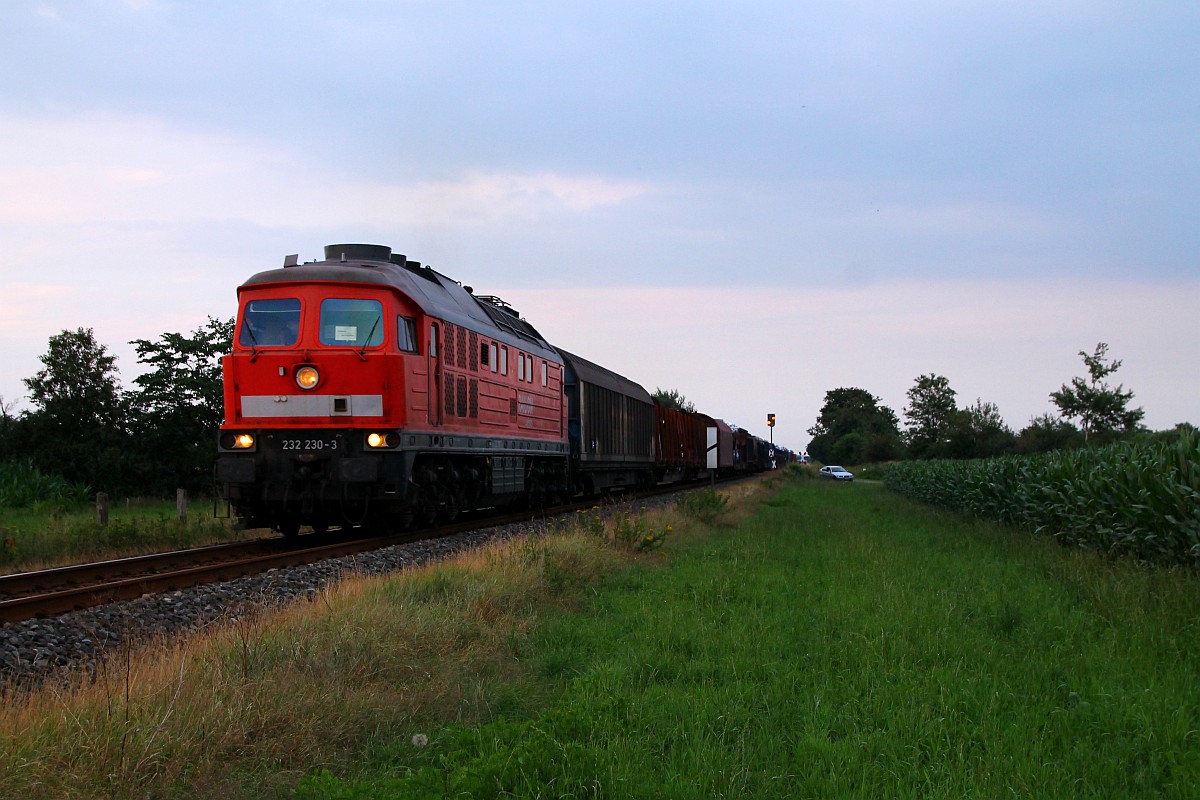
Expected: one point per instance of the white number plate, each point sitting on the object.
(309, 445)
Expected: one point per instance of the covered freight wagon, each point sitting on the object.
(610, 421)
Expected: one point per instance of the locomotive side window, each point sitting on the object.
(503, 360)
(520, 366)
(495, 360)
(406, 334)
(351, 323)
(545, 375)
(267, 323)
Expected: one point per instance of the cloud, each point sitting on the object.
(503, 195)
(141, 169)
(21, 303)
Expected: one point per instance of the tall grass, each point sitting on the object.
(1140, 499)
(39, 536)
(245, 709)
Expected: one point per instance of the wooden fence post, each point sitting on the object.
(102, 508)
(181, 504)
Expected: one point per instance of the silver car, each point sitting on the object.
(837, 473)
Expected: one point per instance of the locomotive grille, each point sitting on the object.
(449, 343)
(462, 396)
(449, 396)
(462, 348)
(474, 398)
(474, 351)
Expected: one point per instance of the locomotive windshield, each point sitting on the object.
(267, 323)
(351, 323)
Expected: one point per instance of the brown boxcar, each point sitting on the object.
(679, 444)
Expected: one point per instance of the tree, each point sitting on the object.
(1098, 407)
(78, 386)
(8, 424)
(1046, 433)
(870, 430)
(931, 416)
(673, 399)
(978, 431)
(179, 405)
(77, 428)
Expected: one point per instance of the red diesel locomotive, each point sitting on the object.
(366, 389)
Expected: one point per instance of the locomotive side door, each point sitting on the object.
(434, 364)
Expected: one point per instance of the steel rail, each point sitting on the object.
(58, 590)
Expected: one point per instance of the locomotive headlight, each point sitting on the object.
(237, 441)
(379, 440)
(307, 377)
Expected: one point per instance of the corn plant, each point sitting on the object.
(22, 484)
(1140, 499)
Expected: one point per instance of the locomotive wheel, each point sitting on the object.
(424, 508)
(289, 526)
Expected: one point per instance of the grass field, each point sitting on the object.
(817, 641)
(35, 536)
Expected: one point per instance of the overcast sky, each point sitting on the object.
(750, 202)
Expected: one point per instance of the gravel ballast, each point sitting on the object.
(34, 650)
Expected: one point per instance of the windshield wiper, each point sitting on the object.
(253, 339)
(367, 341)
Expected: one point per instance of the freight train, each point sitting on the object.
(368, 389)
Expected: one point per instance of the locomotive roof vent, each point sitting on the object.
(357, 252)
(496, 302)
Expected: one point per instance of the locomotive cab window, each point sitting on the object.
(270, 323)
(406, 334)
(351, 322)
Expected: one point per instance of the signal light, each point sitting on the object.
(770, 420)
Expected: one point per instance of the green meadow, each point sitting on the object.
(844, 642)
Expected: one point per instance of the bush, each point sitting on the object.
(704, 505)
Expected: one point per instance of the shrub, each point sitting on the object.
(704, 505)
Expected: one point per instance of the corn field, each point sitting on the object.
(1136, 499)
(23, 485)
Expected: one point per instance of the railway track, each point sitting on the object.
(57, 590)
(49, 592)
